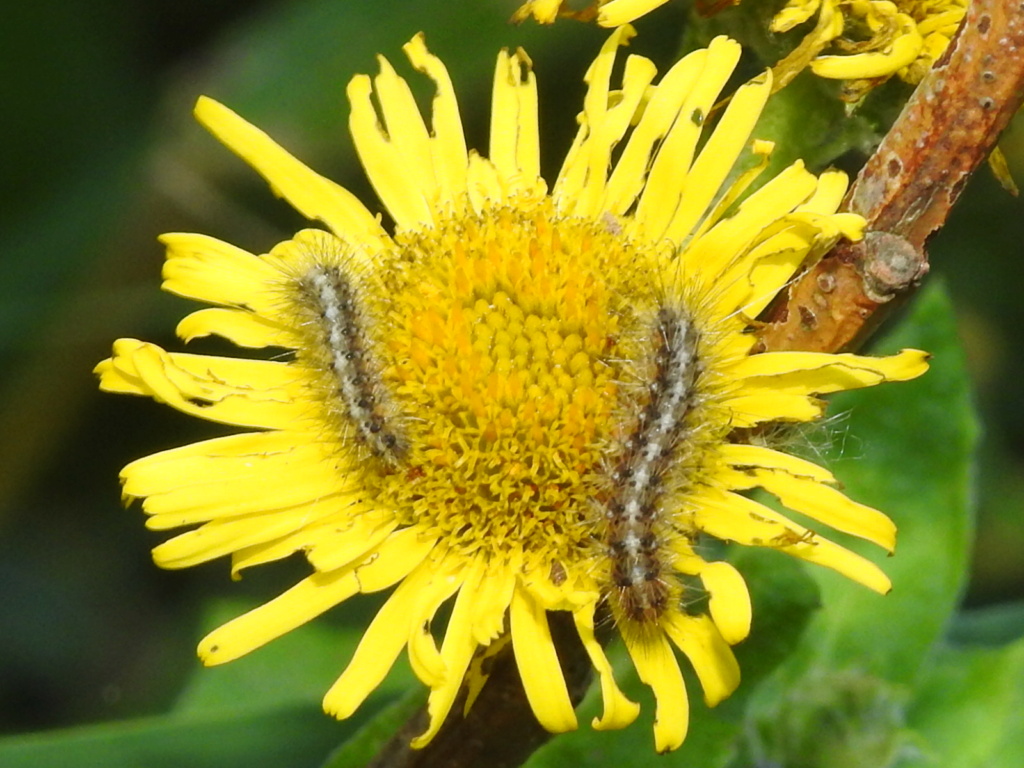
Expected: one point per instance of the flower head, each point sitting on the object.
(521, 400)
(873, 40)
(868, 41)
(609, 13)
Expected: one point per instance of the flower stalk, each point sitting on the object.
(500, 731)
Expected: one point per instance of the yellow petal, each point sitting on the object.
(493, 594)
(822, 372)
(305, 538)
(457, 650)
(674, 189)
(729, 603)
(434, 668)
(902, 51)
(483, 183)
(200, 488)
(242, 328)
(729, 241)
(730, 600)
(774, 256)
(397, 556)
(758, 407)
(780, 250)
(826, 29)
(267, 552)
(303, 602)
(730, 517)
(606, 126)
(221, 537)
(661, 111)
(657, 667)
(320, 530)
(479, 671)
(763, 151)
(209, 459)
(745, 455)
(340, 546)
(515, 138)
(448, 143)
(619, 12)
(208, 269)
(405, 191)
(383, 640)
(824, 504)
(581, 167)
(619, 711)
(543, 11)
(309, 193)
(717, 157)
(250, 393)
(538, 664)
(406, 131)
(796, 12)
(829, 193)
(712, 659)
(944, 22)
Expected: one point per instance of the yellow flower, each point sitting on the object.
(544, 11)
(874, 39)
(609, 13)
(522, 400)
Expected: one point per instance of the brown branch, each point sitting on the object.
(907, 188)
(500, 731)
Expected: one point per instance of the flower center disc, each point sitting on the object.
(511, 343)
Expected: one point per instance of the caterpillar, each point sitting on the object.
(329, 292)
(639, 566)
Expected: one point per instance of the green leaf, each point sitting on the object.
(372, 737)
(710, 740)
(262, 709)
(290, 736)
(785, 598)
(298, 667)
(992, 625)
(968, 709)
(908, 451)
(808, 122)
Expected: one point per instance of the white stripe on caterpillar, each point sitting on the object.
(332, 296)
(639, 569)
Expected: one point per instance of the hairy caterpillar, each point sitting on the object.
(639, 567)
(329, 292)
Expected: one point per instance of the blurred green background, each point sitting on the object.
(100, 155)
